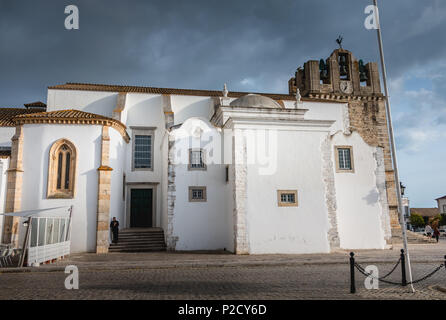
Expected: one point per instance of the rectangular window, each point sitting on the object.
(197, 194)
(344, 159)
(143, 152)
(196, 159)
(142, 157)
(287, 198)
(227, 173)
(444, 208)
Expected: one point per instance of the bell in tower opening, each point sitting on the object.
(341, 76)
(344, 71)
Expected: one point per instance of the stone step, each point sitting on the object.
(132, 243)
(140, 245)
(140, 240)
(138, 249)
(412, 237)
(141, 234)
(142, 237)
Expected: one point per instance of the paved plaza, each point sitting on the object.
(226, 276)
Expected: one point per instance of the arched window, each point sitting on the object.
(62, 169)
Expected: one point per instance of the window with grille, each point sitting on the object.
(287, 198)
(196, 159)
(143, 146)
(344, 159)
(143, 152)
(197, 194)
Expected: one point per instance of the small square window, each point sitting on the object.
(344, 159)
(196, 159)
(197, 194)
(287, 198)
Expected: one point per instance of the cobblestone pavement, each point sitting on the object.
(223, 276)
(419, 253)
(245, 282)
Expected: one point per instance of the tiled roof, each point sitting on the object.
(62, 114)
(186, 92)
(35, 104)
(7, 114)
(71, 117)
(425, 212)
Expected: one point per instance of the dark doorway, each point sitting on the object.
(141, 208)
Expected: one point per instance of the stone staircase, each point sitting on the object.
(139, 240)
(412, 237)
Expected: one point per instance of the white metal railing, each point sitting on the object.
(49, 239)
(47, 234)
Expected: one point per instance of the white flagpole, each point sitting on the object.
(392, 143)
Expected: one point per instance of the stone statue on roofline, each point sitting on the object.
(298, 99)
(225, 91)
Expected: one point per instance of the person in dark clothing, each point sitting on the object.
(436, 233)
(114, 226)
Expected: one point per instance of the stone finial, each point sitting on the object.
(225, 91)
(298, 99)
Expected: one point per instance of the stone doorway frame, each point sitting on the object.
(140, 185)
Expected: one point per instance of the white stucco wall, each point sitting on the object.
(144, 111)
(201, 225)
(38, 139)
(301, 229)
(327, 111)
(185, 107)
(118, 149)
(210, 225)
(89, 101)
(4, 165)
(358, 198)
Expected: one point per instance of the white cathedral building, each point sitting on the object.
(251, 173)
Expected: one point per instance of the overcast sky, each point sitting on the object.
(252, 45)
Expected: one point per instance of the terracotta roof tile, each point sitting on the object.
(39, 104)
(187, 92)
(62, 114)
(7, 114)
(71, 116)
(425, 212)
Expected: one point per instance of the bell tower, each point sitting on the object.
(340, 76)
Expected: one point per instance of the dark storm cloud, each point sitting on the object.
(252, 45)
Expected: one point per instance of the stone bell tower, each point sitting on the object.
(343, 78)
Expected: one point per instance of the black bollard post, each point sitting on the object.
(403, 269)
(352, 273)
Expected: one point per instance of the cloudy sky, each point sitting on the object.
(252, 45)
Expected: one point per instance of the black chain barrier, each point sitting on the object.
(401, 261)
(365, 273)
(428, 275)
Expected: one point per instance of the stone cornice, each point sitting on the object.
(342, 98)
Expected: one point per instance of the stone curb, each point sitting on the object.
(191, 265)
